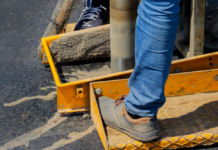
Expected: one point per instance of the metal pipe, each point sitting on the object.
(123, 14)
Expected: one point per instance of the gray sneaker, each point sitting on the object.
(115, 115)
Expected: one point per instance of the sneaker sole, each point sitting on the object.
(139, 137)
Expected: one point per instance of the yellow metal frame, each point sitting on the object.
(75, 96)
(177, 84)
(187, 76)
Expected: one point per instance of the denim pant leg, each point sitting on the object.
(156, 29)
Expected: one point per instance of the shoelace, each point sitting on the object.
(120, 100)
(90, 14)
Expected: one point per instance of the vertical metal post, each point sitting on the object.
(197, 28)
(123, 14)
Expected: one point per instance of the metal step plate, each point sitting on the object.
(185, 121)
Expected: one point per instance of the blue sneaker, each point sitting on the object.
(96, 13)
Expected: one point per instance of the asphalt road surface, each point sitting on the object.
(28, 118)
(22, 75)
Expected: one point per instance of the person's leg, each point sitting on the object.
(156, 30)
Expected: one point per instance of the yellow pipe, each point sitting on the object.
(51, 63)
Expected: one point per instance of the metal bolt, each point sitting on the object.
(216, 78)
(98, 91)
(176, 70)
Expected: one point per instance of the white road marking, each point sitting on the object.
(48, 87)
(48, 97)
(73, 137)
(34, 134)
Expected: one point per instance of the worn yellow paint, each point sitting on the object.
(197, 63)
(176, 85)
(79, 92)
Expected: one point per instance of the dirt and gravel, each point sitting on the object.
(28, 118)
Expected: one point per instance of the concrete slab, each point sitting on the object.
(88, 44)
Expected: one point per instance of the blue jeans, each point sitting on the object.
(156, 29)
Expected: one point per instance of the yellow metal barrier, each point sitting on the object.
(185, 121)
(68, 100)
